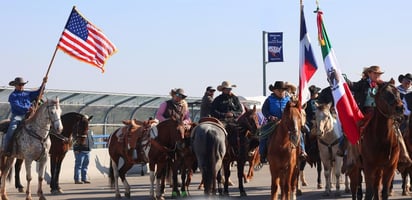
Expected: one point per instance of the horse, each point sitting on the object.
(75, 129)
(164, 143)
(242, 139)
(379, 146)
(283, 152)
(131, 143)
(407, 172)
(210, 145)
(329, 133)
(253, 158)
(32, 143)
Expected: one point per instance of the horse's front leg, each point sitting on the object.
(42, 170)
(240, 169)
(6, 164)
(116, 178)
(17, 168)
(337, 166)
(27, 163)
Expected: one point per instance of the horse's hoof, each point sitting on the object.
(404, 193)
(299, 192)
(118, 196)
(347, 190)
(258, 167)
(20, 189)
(320, 186)
(184, 194)
(56, 192)
(247, 180)
(304, 183)
(41, 198)
(243, 194)
(127, 195)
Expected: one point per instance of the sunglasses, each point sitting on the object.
(181, 96)
(20, 84)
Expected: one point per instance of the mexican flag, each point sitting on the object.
(348, 112)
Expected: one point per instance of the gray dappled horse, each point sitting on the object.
(328, 132)
(33, 143)
(209, 145)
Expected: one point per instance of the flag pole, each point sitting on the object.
(264, 62)
(43, 85)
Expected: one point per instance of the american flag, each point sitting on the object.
(84, 41)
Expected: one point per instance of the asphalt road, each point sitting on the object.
(258, 188)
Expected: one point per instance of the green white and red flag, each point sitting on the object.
(348, 112)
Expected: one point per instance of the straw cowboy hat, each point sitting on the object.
(225, 84)
(278, 85)
(17, 81)
(178, 92)
(406, 76)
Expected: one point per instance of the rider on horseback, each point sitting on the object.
(364, 93)
(175, 108)
(272, 109)
(21, 107)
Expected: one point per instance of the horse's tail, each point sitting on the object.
(209, 169)
(111, 175)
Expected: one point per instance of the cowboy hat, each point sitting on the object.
(210, 88)
(178, 92)
(314, 90)
(225, 84)
(278, 85)
(375, 69)
(17, 81)
(406, 76)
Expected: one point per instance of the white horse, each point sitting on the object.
(328, 132)
(33, 143)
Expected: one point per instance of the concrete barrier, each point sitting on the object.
(98, 167)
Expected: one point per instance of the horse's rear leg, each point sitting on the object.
(114, 166)
(6, 164)
(319, 170)
(28, 178)
(122, 174)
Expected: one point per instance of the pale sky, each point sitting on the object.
(190, 44)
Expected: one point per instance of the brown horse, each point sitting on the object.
(253, 159)
(75, 129)
(283, 152)
(166, 140)
(242, 140)
(131, 143)
(407, 172)
(379, 146)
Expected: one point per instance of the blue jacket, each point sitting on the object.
(20, 101)
(274, 106)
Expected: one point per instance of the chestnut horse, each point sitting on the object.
(283, 152)
(75, 129)
(329, 132)
(379, 145)
(131, 143)
(242, 139)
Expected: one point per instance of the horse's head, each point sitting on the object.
(81, 128)
(388, 100)
(324, 119)
(249, 120)
(292, 121)
(52, 107)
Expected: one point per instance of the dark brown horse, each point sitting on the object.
(407, 136)
(242, 139)
(75, 129)
(283, 152)
(166, 140)
(379, 145)
(131, 143)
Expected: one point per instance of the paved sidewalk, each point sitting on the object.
(258, 189)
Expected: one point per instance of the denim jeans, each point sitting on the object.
(81, 165)
(14, 122)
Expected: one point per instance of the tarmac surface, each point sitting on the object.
(258, 188)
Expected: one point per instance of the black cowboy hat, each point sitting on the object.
(314, 90)
(17, 81)
(278, 85)
(407, 76)
(210, 88)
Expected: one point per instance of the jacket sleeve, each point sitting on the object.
(265, 109)
(160, 111)
(238, 108)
